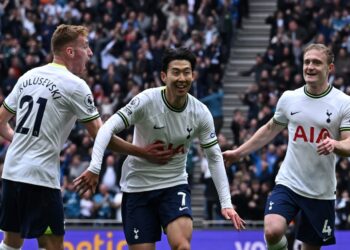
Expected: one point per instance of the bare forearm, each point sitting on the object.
(342, 148)
(261, 137)
(7, 132)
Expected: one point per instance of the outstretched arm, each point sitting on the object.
(261, 137)
(105, 137)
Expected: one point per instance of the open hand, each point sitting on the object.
(231, 214)
(86, 181)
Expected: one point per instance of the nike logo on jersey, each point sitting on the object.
(182, 208)
(293, 113)
(156, 127)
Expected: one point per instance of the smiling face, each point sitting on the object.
(178, 79)
(316, 69)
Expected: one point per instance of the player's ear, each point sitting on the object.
(70, 51)
(163, 76)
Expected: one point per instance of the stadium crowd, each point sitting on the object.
(128, 38)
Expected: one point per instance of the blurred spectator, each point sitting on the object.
(71, 201)
(342, 210)
(86, 206)
(109, 177)
(102, 202)
(116, 205)
(237, 124)
(214, 103)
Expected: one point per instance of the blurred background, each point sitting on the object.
(248, 53)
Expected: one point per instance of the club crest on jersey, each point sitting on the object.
(89, 103)
(329, 116)
(189, 130)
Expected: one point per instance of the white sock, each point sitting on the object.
(3, 246)
(281, 245)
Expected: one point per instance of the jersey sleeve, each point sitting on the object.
(207, 135)
(218, 174)
(83, 104)
(345, 122)
(134, 110)
(280, 113)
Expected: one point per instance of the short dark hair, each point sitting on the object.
(181, 53)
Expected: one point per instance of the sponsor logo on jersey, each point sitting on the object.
(310, 134)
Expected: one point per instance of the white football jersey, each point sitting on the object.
(47, 101)
(310, 118)
(156, 120)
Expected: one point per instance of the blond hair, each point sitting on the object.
(324, 49)
(66, 34)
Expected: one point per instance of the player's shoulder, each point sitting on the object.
(152, 92)
(150, 95)
(339, 98)
(294, 92)
(196, 105)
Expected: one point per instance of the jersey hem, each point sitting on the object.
(303, 194)
(138, 190)
(28, 182)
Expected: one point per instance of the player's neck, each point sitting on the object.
(175, 101)
(58, 60)
(317, 89)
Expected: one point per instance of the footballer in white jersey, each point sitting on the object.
(157, 121)
(157, 195)
(311, 118)
(47, 101)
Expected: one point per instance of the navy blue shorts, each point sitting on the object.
(31, 210)
(315, 221)
(146, 213)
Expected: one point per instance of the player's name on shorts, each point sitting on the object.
(41, 81)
